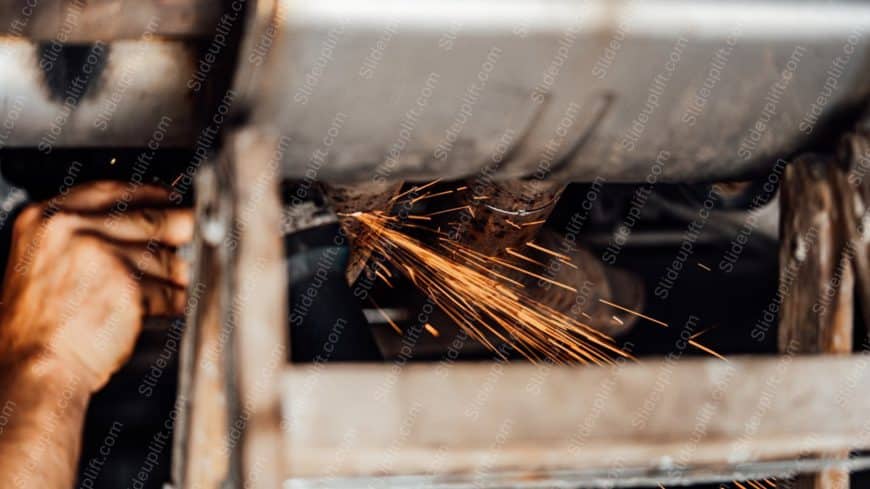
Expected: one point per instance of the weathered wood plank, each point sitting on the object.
(490, 417)
(855, 157)
(202, 422)
(816, 277)
(816, 273)
(258, 309)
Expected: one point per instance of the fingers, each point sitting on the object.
(161, 299)
(138, 233)
(173, 227)
(103, 195)
(156, 261)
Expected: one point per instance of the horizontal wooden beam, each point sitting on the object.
(67, 21)
(486, 418)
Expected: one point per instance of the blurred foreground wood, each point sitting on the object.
(488, 418)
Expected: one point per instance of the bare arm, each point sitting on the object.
(80, 278)
(43, 410)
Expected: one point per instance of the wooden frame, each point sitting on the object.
(497, 424)
(517, 424)
(668, 418)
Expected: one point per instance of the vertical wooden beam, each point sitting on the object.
(201, 423)
(816, 275)
(258, 310)
(854, 156)
(235, 346)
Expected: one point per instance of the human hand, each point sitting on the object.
(82, 275)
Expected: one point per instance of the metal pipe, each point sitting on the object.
(123, 94)
(576, 90)
(69, 21)
(504, 214)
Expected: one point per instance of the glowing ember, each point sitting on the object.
(432, 330)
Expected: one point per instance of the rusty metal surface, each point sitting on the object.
(503, 214)
(566, 89)
(374, 196)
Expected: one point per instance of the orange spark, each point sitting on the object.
(419, 198)
(384, 268)
(388, 318)
(431, 196)
(445, 211)
(510, 251)
(534, 223)
(706, 350)
(414, 189)
(515, 225)
(534, 275)
(382, 277)
(490, 307)
(432, 330)
(632, 311)
(532, 244)
(702, 332)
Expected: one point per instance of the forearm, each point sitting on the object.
(43, 409)
(79, 270)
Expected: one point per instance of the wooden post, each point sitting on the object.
(854, 157)
(201, 425)
(235, 346)
(816, 275)
(258, 310)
